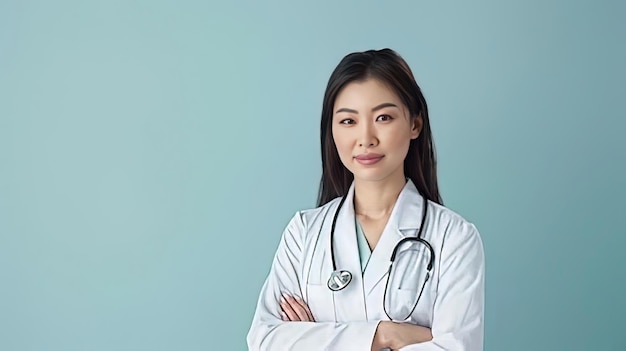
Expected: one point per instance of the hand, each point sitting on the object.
(398, 335)
(294, 309)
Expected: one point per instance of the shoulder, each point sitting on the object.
(314, 215)
(452, 226)
(304, 221)
(460, 248)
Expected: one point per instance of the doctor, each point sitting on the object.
(333, 284)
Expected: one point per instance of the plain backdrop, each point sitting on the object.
(152, 152)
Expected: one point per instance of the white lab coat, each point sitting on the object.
(452, 303)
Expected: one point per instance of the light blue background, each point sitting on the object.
(151, 153)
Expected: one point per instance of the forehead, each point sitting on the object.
(367, 93)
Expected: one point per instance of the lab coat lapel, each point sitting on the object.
(404, 220)
(349, 302)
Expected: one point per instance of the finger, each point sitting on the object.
(300, 309)
(291, 314)
(306, 309)
(286, 311)
(285, 314)
(297, 308)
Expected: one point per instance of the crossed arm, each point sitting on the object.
(388, 334)
(458, 309)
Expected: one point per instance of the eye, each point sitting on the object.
(346, 121)
(384, 118)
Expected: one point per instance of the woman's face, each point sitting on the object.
(372, 130)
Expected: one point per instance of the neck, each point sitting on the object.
(376, 199)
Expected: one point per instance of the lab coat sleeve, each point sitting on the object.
(458, 319)
(269, 332)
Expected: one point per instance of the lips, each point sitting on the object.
(369, 156)
(368, 159)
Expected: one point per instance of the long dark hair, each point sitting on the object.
(420, 164)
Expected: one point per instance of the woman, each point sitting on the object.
(332, 285)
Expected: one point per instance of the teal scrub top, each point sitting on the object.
(364, 248)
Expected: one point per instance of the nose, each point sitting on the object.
(367, 136)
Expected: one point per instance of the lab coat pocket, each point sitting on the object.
(320, 302)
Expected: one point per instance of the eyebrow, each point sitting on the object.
(376, 108)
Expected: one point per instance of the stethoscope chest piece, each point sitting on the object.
(339, 279)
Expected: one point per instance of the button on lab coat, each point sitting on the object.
(451, 305)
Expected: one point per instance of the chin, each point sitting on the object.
(372, 176)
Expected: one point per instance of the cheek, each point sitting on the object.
(400, 144)
(341, 141)
(344, 146)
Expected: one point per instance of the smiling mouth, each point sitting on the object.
(368, 156)
(368, 159)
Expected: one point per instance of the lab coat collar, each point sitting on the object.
(350, 302)
(408, 208)
(404, 220)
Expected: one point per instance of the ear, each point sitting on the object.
(416, 126)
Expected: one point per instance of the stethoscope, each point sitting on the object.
(340, 279)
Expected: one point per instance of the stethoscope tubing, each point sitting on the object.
(395, 250)
(336, 276)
